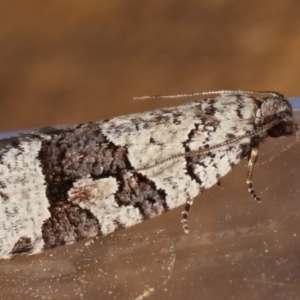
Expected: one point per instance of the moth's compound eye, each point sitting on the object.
(278, 130)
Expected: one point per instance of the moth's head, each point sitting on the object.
(278, 108)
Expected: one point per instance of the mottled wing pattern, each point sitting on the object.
(23, 201)
(61, 185)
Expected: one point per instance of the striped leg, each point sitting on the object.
(185, 214)
(252, 161)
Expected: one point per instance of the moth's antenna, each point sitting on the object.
(179, 96)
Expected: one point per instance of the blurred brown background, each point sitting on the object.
(76, 61)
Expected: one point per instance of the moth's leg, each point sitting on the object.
(252, 161)
(185, 214)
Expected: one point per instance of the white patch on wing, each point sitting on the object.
(135, 132)
(157, 135)
(100, 200)
(23, 201)
(169, 137)
(173, 179)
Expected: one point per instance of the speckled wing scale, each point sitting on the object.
(61, 185)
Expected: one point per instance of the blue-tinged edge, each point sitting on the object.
(295, 102)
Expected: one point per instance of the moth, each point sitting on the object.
(61, 185)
